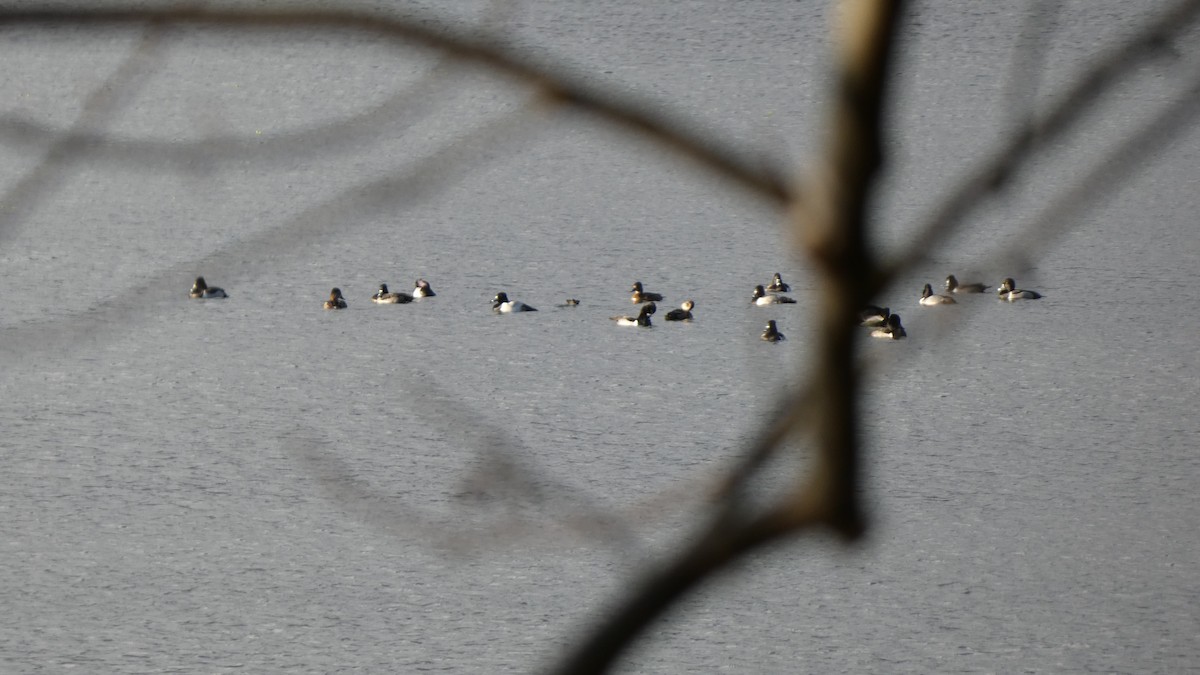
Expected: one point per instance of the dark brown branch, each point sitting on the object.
(723, 544)
(624, 112)
(833, 226)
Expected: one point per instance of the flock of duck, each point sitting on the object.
(887, 326)
(884, 324)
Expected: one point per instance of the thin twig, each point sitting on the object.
(1121, 161)
(834, 232)
(97, 109)
(623, 111)
(993, 173)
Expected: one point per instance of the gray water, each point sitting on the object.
(258, 485)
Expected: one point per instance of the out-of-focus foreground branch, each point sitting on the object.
(557, 86)
(831, 223)
(827, 211)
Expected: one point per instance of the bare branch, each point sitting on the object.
(993, 173)
(97, 108)
(832, 222)
(624, 112)
(418, 182)
(1124, 159)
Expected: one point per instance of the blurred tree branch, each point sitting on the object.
(632, 115)
(828, 212)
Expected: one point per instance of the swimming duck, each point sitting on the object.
(422, 289)
(203, 290)
(929, 298)
(891, 330)
(1008, 291)
(777, 285)
(502, 305)
(335, 301)
(761, 297)
(953, 286)
(873, 316)
(771, 333)
(642, 319)
(640, 296)
(384, 297)
(684, 313)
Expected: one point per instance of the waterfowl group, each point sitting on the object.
(884, 323)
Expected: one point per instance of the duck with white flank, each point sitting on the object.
(642, 319)
(761, 297)
(891, 330)
(422, 289)
(684, 313)
(639, 295)
(385, 297)
(1008, 291)
(203, 290)
(771, 333)
(335, 301)
(929, 298)
(502, 305)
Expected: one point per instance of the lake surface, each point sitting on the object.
(258, 485)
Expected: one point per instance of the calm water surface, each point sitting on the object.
(257, 485)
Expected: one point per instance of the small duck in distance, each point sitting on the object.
(891, 330)
(422, 289)
(761, 297)
(1008, 291)
(929, 298)
(335, 301)
(777, 285)
(684, 313)
(639, 295)
(502, 305)
(203, 290)
(771, 332)
(953, 286)
(642, 319)
(384, 297)
(873, 316)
